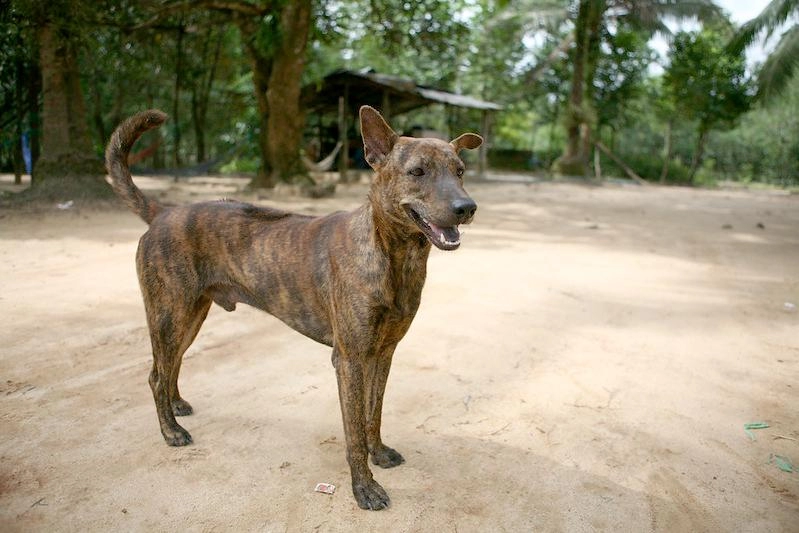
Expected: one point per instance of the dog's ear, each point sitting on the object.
(378, 137)
(470, 141)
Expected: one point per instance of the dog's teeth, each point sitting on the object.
(442, 238)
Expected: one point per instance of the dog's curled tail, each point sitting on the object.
(116, 162)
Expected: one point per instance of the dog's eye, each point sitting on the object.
(459, 172)
(418, 171)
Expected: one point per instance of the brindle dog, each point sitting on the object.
(352, 280)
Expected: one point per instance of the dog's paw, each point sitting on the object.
(386, 457)
(181, 407)
(370, 496)
(177, 436)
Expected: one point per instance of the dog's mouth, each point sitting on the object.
(443, 238)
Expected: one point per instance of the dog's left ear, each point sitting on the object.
(378, 137)
(470, 141)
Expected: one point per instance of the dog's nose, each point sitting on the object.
(464, 208)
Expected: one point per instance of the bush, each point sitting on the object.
(241, 165)
(649, 167)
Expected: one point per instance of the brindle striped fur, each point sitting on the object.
(351, 280)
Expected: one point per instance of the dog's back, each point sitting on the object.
(233, 252)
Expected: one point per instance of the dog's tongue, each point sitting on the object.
(446, 238)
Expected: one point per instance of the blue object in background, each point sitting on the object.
(26, 151)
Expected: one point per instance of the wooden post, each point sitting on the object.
(448, 120)
(386, 106)
(597, 164)
(482, 164)
(343, 163)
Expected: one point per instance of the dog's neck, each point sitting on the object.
(390, 227)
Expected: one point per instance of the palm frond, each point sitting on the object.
(531, 14)
(769, 20)
(653, 27)
(780, 67)
(650, 14)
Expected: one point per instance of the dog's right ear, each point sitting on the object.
(378, 137)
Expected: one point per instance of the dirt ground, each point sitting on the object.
(585, 362)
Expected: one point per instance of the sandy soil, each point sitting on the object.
(585, 362)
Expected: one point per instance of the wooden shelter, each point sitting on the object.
(342, 92)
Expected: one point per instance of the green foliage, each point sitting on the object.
(518, 128)
(705, 81)
(17, 62)
(621, 69)
(515, 53)
(397, 38)
(647, 165)
(781, 67)
(765, 145)
(145, 76)
(783, 62)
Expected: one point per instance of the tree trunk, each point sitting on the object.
(175, 119)
(19, 118)
(158, 157)
(597, 165)
(34, 90)
(200, 94)
(97, 111)
(261, 68)
(570, 162)
(667, 151)
(555, 115)
(199, 125)
(67, 154)
(286, 120)
(699, 152)
(573, 161)
(593, 42)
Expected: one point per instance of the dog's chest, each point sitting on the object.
(406, 279)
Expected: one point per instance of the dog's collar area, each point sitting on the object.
(446, 238)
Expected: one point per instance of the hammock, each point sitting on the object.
(325, 164)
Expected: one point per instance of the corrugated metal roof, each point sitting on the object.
(459, 100)
(368, 87)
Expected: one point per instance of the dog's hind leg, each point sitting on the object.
(180, 406)
(173, 325)
(375, 378)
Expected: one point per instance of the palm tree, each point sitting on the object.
(781, 64)
(589, 17)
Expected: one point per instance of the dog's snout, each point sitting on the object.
(464, 208)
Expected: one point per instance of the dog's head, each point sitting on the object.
(420, 181)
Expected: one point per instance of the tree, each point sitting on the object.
(275, 36)
(286, 121)
(20, 85)
(706, 83)
(764, 147)
(590, 19)
(68, 161)
(782, 63)
(620, 72)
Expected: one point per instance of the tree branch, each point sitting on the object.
(230, 6)
(630, 172)
(544, 64)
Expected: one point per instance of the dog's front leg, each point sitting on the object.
(376, 375)
(349, 364)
